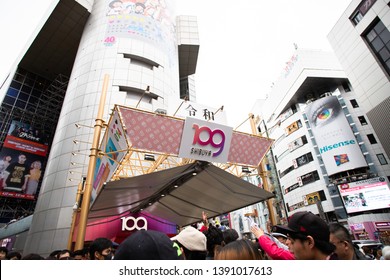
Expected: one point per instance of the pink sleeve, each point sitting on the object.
(273, 251)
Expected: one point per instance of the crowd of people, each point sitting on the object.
(306, 237)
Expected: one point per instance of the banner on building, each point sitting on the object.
(114, 148)
(21, 161)
(336, 142)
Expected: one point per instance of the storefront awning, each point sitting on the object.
(178, 194)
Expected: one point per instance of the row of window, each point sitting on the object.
(299, 161)
(371, 137)
(303, 180)
(377, 36)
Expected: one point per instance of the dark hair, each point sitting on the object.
(324, 246)
(4, 249)
(98, 245)
(62, 252)
(13, 254)
(242, 249)
(214, 237)
(83, 252)
(192, 255)
(230, 235)
(55, 253)
(340, 232)
(33, 256)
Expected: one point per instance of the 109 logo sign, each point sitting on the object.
(211, 133)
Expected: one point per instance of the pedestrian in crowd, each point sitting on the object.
(378, 253)
(272, 246)
(147, 245)
(213, 234)
(100, 249)
(80, 254)
(309, 237)
(33, 256)
(341, 239)
(369, 252)
(53, 255)
(214, 238)
(13, 255)
(386, 253)
(241, 249)
(3, 253)
(230, 235)
(192, 243)
(64, 255)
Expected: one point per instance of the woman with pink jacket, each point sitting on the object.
(271, 246)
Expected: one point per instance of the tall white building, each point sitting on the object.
(322, 141)
(360, 40)
(147, 53)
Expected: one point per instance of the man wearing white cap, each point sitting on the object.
(192, 243)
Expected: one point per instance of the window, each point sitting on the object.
(382, 159)
(357, 17)
(346, 87)
(378, 39)
(371, 138)
(363, 8)
(354, 103)
(362, 120)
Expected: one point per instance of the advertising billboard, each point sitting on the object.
(365, 195)
(336, 142)
(21, 161)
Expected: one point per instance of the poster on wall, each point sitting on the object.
(21, 161)
(336, 142)
(151, 21)
(370, 194)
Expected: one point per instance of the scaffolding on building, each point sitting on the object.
(43, 116)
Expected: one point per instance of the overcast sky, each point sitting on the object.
(244, 44)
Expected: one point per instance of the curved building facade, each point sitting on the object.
(135, 43)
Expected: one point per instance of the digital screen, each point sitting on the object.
(365, 195)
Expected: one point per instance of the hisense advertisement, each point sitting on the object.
(365, 195)
(338, 146)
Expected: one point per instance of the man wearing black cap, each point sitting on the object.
(309, 237)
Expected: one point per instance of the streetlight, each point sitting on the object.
(261, 170)
(280, 198)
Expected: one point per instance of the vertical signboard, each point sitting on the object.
(200, 111)
(114, 148)
(21, 161)
(336, 142)
(205, 141)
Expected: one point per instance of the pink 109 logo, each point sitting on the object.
(211, 133)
